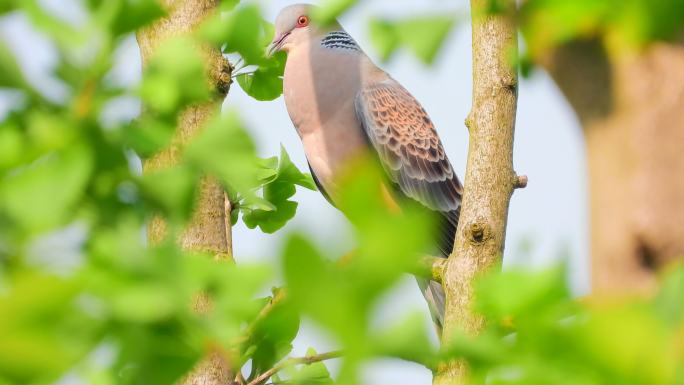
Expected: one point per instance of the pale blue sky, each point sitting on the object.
(547, 221)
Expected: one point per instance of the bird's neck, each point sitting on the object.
(339, 40)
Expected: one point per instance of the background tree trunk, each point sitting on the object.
(209, 229)
(489, 180)
(631, 106)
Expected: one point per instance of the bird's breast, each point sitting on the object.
(319, 90)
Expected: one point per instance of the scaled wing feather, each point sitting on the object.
(408, 146)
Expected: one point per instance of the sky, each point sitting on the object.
(547, 220)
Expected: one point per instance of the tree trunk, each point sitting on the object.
(209, 230)
(631, 106)
(489, 180)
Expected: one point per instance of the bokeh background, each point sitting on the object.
(547, 221)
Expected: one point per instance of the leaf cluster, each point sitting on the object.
(113, 309)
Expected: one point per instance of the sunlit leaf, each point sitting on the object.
(173, 189)
(42, 330)
(43, 194)
(329, 10)
(272, 336)
(671, 296)
(241, 31)
(165, 86)
(10, 73)
(132, 14)
(408, 340)
(314, 374)
(277, 193)
(265, 83)
(225, 149)
(384, 36)
(425, 35)
(533, 293)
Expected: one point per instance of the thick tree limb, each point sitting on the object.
(209, 229)
(489, 180)
(630, 105)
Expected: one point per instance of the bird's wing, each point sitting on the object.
(319, 185)
(408, 146)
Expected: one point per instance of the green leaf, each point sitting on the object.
(388, 241)
(322, 292)
(6, 6)
(266, 82)
(288, 172)
(277, 192)
(173, 190)
(268, 170)
(270, 221)
(11, 145)
(313, 374)
(482, 350)
(148, 135)
(43, 195)
(174, 78)
(407, 340)
(549, 22)
(143, 302)
(134, 14)
(241, 31)
(425, 35)
(11, 75)
(273, 335)
(384, 37)
(228, 5)
(534, 293)
(669, 301)
(66, 35)
(329, 10)
(43, 333)
(225, 149)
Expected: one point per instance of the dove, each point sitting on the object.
(342, 106)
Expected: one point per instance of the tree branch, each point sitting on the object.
(308, 360)
(431, 268)
(209, 229)
(490, 178)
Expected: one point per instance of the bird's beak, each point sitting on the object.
(276, 44)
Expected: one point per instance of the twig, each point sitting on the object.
(431, 267)
(240, 379)
(237, 64)
(308, 360)
(236, 74)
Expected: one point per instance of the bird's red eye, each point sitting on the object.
(303, 21)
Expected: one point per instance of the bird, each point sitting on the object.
(342, 105)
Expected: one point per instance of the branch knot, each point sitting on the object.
(224, 77)
(520, 181)
(478, 232)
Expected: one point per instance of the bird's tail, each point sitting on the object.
(432, 290)
(434, 295)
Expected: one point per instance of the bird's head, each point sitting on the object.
(293, 26)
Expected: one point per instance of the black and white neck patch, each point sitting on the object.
(340, 40)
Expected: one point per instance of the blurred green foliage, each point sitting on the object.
(621, 24)
(424, 36)
(537, 334)
(122, 314)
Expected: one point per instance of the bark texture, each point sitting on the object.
(631, 106)
(209, 229)
(489, 180)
